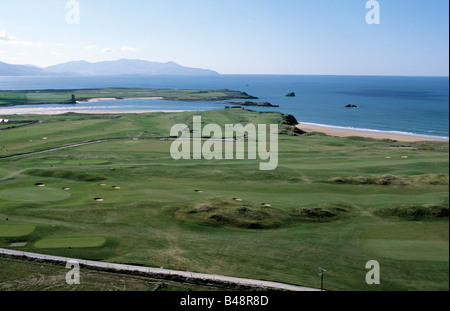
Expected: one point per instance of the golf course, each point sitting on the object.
(115, 194)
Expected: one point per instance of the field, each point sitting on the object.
(31, 276)
(12, 98)
(334, 203)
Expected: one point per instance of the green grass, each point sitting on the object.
(71, 242)
(17, 230)
(33, 194)
(158, 219)
(414, 241)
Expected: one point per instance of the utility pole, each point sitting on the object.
(321, 278)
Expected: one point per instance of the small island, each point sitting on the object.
(290, 94)
(351, 106)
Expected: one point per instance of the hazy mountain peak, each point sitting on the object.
(106, 68)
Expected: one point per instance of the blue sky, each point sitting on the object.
(324, 37)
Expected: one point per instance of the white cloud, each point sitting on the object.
(8, 39)
(92, 47)
(128, 49)
(60, 44)
(107, 50)
(53, 53)
(4, 35)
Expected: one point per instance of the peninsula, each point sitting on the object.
(70, 97)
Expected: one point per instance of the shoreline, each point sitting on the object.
(367, 133)
(46, 111)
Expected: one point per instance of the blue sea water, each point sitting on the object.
(409, 105)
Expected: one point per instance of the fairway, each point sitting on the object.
(33, 194)
(409, 241)
(409, 250)
(71, 242)
(15, 230)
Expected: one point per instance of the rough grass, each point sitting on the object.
(248, 216)
(20, 275)
(405, 180)
(414, 212)
(65, 174)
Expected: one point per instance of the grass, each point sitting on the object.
(71, 242)
(16, 230)
(158, 219)
(33, 194)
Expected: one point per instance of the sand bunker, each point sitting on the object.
(18, 244)
(99, 199)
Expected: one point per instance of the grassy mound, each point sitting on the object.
(385, 180)
(414, 212)
(63, 174)
(246, 216)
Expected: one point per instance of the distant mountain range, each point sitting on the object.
(107, 68)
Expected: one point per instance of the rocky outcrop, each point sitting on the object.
(288, 126)
(291, 94)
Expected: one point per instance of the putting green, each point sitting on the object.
(12, 231)
(72, 242)
(34, 194)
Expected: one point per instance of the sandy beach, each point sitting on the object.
(349, 132)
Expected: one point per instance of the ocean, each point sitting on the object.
(405, 105)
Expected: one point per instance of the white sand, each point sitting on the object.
(348, 132)
(93, 100)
